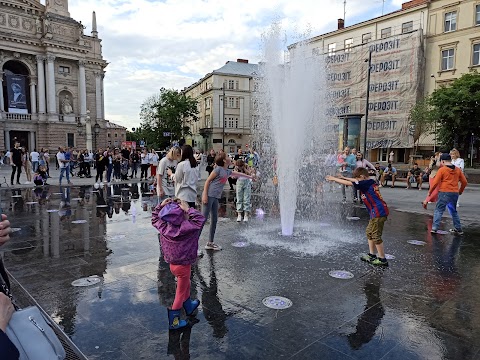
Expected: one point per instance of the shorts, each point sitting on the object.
(375, 229)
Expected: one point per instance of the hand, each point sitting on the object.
(184, 206)
(6, 311)
(166, 201)
(4, 230)
(204, 199)
(160, 191)
(329, 178)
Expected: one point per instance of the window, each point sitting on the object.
(64, 70)
(70, 139)
(448, 59)
(477, 15)
(451, 21)
(231, 84)
(407, 27)
(255, 86)
(366, 38)
(236, 123)
(207, 121)
(108, 135)
(348, 44)
(476, 54)
(384, 33)
(237, 103)
(237, 84)
(331, 48)
(207, 103)
(231, 102)
(116, 135)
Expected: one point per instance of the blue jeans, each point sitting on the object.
(446, 200)
(212, 207)
(34, 166)
(66, 170)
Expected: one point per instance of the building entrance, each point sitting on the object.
(21, 137)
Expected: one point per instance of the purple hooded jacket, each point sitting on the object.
(178, 236)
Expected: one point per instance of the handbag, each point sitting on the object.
(29, 330)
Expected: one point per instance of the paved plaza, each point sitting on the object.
(424, 306)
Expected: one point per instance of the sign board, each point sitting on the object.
(17, 98)
(129, 144)
(166, 134)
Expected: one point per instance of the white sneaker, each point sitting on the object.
(245, 218)
(239, 217)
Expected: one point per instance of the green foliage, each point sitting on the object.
(166, 112)
(421, 119)
(458, 110)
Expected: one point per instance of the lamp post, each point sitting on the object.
(435, 123)
(223, 118)
(96, 131)
(369, 60)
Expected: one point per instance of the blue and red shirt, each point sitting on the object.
(372, 198)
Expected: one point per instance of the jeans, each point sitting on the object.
(244, 193)
(446, 200)
(134, 169)
(212, 206)
(34, 166)
(64, 170)
(354, 192)
(109, 172)
(144, 171)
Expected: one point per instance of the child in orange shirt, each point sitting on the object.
(447, 179)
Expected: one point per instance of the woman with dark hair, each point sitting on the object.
(186, 177)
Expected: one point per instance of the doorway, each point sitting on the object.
(20, 136)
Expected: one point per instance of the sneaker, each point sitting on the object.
(367, 257)
(456, 232)
(378, 262)
(212, 246)
(245, 218)
(433, 231)
(239, 217)
(355, 200)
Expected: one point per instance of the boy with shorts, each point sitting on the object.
(377, 209)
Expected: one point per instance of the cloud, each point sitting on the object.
(152, 44)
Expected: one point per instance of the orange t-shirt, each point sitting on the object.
(447, 179)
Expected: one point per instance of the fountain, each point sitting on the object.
(291, 104)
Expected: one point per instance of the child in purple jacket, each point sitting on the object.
(179, 226)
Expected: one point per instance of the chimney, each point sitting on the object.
(245, 61)
(413, 3)
(341, 24)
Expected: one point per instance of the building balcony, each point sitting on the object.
(205, 132)
(12, 116)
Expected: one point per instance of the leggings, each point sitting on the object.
(99, 176)
(182, 273)
(213, 207)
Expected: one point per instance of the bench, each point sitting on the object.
(402, 177)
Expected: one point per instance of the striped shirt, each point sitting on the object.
(372, 198)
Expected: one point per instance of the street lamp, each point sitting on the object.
(369, 60)
(223, 118)
(435, 123)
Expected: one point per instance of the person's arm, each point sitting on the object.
(347, 178)
(339, 181)
(369, 165)
(463, 181)
(207, 185)
(161, 170)
(436, 181)
(241, 175)
(4, 230)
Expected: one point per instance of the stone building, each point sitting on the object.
(52, 77)
(225, 107)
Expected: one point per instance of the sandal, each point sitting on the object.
(212, 246)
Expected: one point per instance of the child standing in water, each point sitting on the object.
(212, 192)
(377, 208)
(244, 191)
(179, 226)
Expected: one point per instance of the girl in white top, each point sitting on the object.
(458, 162)
(153, 158)
(186, 177)
(165, 185)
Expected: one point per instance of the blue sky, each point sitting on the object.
(172, 43)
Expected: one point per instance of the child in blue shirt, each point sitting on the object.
(377, 209)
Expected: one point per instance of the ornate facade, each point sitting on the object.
(52, 75)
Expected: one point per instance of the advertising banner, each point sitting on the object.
(131, 145)
(17, 99)
(395, 83)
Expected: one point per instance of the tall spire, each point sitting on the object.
(94, 25)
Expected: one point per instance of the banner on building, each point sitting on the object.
(17, 98)
(395, 84)
(131, 145)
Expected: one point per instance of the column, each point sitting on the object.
(98, 94)
(32, 142)
(7, 139)
(41, 84)
(2, 104)
(52, 96)
(82, 88)
(33, 96)
(103, 96)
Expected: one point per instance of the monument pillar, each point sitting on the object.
(33, 96)
(98, 94)
(2, 104)
(82, 88)
(52, 102)
(41, 84)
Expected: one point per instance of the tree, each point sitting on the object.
(166, 112)
(421, 120)
(458, 111)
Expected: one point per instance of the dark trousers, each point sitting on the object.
(99, 176)
(134, 169)
(18, 169)
(144, 170)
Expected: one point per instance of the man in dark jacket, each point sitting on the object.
(16, 161)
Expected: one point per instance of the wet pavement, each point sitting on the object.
(424, 306)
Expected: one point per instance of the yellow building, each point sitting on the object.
(224, 107)
(448, 32)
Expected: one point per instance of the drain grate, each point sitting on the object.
(277, 302)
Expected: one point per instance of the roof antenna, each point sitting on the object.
(345, 9)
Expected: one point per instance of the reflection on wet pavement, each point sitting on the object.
(425, 306)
